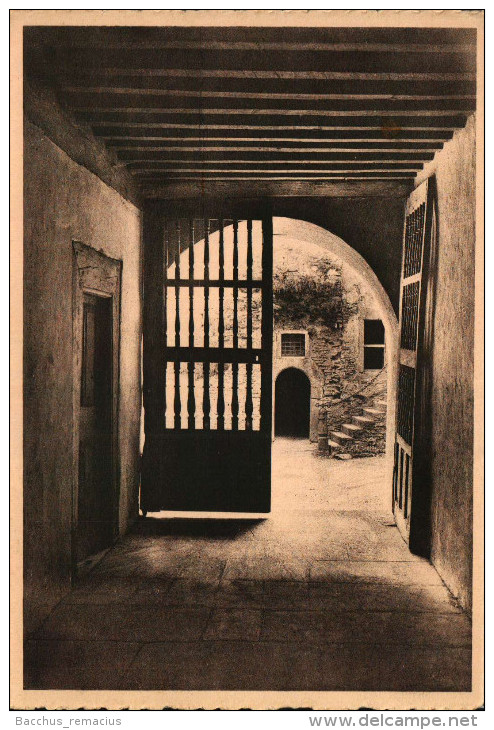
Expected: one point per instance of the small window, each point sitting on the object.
(292, 345)
(373, 344)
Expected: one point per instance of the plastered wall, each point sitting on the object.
(452, 363)
(63, 202)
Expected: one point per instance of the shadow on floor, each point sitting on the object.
(226, 529)
(322, 595)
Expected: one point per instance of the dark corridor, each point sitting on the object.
(292, 404)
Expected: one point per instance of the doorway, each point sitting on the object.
(207, 359)
(96, 345)
(94, 524)
(292, 404)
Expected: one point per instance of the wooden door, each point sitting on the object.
(208, 366)
(411, 480)
(292, 404)
(95, 494)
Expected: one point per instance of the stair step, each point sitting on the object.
(334, 444)
(340, 437)
(372, 411)
(363, 421)
(351, 429)
(343, 457)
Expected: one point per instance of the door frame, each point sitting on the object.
(98, 274)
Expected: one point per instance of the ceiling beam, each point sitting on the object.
(238, 166)
(158, 163)
(309, 103)
(257, 59)
(98, 106)
(273, 86)
(267, 89)
(301, 172)
(274, 74)
(221, 189)
(278, 46)
(263, 135)
(119, 36)
(274, 122)
(122, 143)
(274, 174)
(164, 155)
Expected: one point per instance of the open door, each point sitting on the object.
(207, 365)
(411, 478)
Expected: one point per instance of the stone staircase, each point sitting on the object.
(365, 435)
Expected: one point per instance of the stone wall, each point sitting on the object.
(324, 298)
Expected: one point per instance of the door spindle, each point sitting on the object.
(206, 403)
(191, 401)
(177, 401)
(235, 405)
(221, 332)
(249, 405)
(165, 311)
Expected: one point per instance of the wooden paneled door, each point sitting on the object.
(207, 365)
(411, 479)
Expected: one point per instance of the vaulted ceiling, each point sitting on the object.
(270, 108)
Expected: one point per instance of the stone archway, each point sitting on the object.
(335, 246)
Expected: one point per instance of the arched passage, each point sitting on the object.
(292, 404)
(314, 234)
(300, 233)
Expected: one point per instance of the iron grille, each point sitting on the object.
(406, 391)
(409, 316)
(293, 345)
(414, 229)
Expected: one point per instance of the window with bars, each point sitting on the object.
(373, 344)
(292, 344)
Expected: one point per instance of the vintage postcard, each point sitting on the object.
(247, 413)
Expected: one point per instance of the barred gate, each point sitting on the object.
(208, 435)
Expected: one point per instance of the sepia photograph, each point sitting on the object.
(247, 266)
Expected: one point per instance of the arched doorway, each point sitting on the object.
(292, 404)
(304, 231)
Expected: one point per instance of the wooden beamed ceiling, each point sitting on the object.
(312, 106)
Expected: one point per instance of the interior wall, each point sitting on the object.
(452, 363)
(63, 202)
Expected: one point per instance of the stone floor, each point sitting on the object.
(323, 595)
